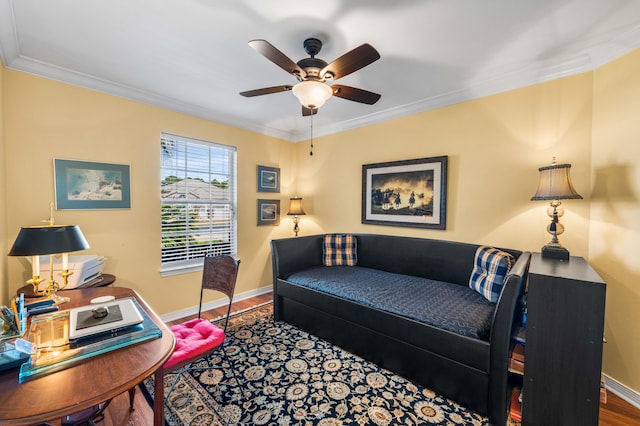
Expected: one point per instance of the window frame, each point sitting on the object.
(181, 167)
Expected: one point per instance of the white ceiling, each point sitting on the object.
(192, 55)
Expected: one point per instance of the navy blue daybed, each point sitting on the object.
(406, 306)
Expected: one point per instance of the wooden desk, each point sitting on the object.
(95, 380)
(102, 281)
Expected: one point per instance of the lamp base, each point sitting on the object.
(296, 227)
(554, 251)
(59, 300)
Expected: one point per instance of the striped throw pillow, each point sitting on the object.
(340, 249)
(491, 267)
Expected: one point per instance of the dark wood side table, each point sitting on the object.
(101, 281)
(94, 380)
(563, 353)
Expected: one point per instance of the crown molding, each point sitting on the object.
(41, 69)
(478, 87)
(12, 59)
(497, 83)
(613, 49)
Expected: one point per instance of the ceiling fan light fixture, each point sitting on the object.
(312, 94)
(313, 73)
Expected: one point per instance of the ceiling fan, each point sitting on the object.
(312, 74)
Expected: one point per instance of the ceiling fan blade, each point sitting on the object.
(351, 61)
(267, 50)
(265, 91)
(308, 111)
(354, 94)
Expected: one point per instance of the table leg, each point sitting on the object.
(158, 398)
(132, 397)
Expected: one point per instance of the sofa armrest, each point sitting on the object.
(289, 255)
(501, 331)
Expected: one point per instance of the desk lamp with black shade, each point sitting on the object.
(49, 240)
(555, 185)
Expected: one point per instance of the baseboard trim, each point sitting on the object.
(215, 304)
(629, 395)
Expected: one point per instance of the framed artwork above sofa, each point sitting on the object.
(410, 193)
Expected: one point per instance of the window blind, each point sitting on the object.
(198, 193)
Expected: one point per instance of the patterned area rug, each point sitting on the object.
(289, 377)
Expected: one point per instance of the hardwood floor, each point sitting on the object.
(616, 412)
(117, 414)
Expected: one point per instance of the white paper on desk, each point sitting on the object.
(128, 315)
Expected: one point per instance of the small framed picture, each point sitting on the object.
(268, 179)
(84, 185)
(268, 212)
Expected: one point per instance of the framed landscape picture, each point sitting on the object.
(268, 212)
(409, 193)
(268, 179)
(85, 185)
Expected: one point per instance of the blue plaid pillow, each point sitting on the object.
(340, 249)
(491, 266)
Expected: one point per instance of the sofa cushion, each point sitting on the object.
(452, 307)
(491, 266)
(343, 321)
(340, 250)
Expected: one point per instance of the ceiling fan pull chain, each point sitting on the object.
(311, 150)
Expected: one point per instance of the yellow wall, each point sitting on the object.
(495, 146)
(614, 244)
(45, 119)
(4, 290)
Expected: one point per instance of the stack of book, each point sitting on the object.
(516, 366)
(516, 358)
(603, 390)
(515, 410)
(13, 319)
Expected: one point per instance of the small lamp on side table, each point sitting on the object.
(295, 210)
(555, 185)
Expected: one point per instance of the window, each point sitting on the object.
(198, 192)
